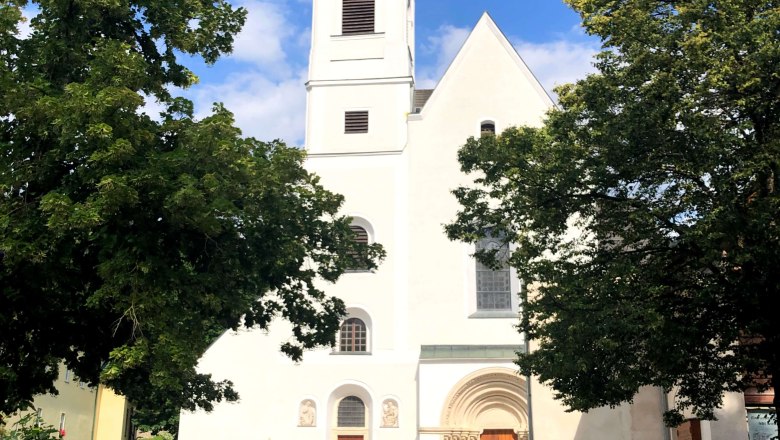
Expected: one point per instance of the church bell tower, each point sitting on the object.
(361, 76)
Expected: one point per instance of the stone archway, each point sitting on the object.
(489, 399)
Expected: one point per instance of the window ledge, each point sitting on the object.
(350, 353)
(487, 314)
(366, 36)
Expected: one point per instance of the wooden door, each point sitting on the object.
(350, 437)
(498, 434)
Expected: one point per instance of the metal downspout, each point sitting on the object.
(665, 407)
(528, 377)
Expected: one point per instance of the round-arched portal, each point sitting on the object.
(487, 400)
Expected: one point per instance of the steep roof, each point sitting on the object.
(485, 30)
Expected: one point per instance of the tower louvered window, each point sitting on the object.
(487, 127)
(361, 237)
(356, 122)
(357, 17)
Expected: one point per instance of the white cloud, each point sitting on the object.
(558, 62)
(262, 39)
(264, 108)
(445, 46)
(265, 89)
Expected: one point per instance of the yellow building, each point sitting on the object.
(82, 412)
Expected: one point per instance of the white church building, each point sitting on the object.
(426, 351)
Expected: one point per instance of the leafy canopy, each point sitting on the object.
(645, 211)
(127, 244)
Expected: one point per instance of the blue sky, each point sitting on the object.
(262, 82)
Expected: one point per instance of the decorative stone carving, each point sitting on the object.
(463, 435)
(307, 416)
(389, 414)
(499, 385)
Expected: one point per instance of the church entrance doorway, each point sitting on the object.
(498, 434)
(350, 437)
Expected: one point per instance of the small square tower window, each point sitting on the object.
(357, 17)
(356, 122)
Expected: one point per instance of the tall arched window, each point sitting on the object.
(494, 292)
(353, 336)
(351, 413)
(361, 237)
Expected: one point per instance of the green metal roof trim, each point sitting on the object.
(470, 351)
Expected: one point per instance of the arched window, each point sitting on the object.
(361, 237)
(494, 292)
(487, 127)
(353, 336)
(351, 413)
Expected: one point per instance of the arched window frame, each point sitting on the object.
(349, 410)
(358, 314)
(342, 391)
(473, 279)
(361, 224)
(353, 336)
(487, 127)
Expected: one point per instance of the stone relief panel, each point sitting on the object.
(389, 414)
(307, 414)
(461, 436)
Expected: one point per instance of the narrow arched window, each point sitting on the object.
(361, 237)
(494, 291)
(487, 127)
(353, 336)
(351, 413)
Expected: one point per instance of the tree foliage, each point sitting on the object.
(28, 427)
(127, 244)
(645, 211)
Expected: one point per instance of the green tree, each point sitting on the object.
(127, 243)
(645, 211)
(29, 428)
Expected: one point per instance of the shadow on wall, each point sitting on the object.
(640, 420)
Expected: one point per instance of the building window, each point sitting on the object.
(361, 237)
(494, 287)
(356, 122)
(357, 17)
(351, 413)
(67, 375)
(353, 336)
(487, 127)
(62, 424)
(762, 424)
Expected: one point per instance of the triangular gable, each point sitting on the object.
(485, 25)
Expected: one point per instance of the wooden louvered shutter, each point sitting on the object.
(356, 122)
(361, 236)
(357, 17)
